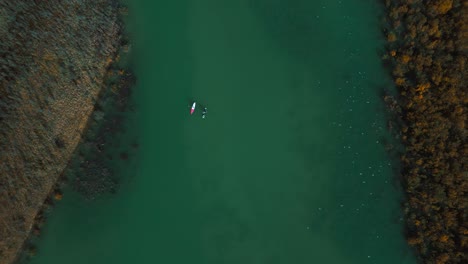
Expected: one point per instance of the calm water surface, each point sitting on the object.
(288, 167)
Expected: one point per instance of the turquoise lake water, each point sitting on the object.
(289, 165)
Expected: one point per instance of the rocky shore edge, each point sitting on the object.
(427, 54)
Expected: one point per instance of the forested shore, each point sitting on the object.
(54, 59)
(427, 51)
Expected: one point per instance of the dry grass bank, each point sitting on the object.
(53, 59)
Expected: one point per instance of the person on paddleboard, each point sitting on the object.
(205, 110)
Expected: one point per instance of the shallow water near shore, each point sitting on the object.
(288, 167)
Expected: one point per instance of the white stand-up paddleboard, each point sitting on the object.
(193, 108)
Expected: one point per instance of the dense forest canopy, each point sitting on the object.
(427, 49)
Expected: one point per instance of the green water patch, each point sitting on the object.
(287, 167)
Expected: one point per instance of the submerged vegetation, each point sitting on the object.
(90, 170)
(427, 50)
(54, 56)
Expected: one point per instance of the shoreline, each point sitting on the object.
(427, 55)
(89, 188)
(49, 90)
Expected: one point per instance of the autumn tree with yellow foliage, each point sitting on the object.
(427, 48)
